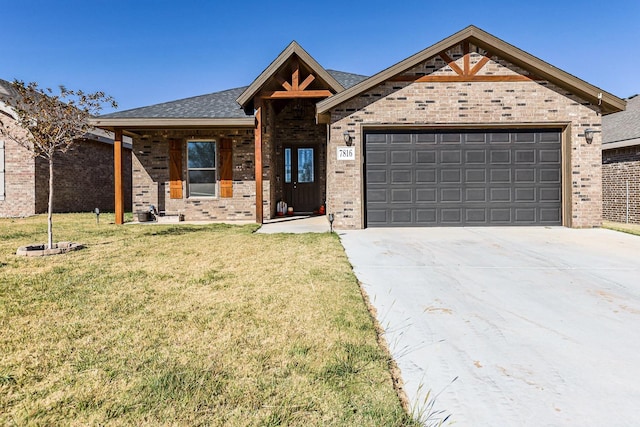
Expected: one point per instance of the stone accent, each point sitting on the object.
(151, 176)
(619, 166)
(480, 104)
(42, 250)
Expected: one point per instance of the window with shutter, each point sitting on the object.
(175, 169)
(226, 167)
(201, 161)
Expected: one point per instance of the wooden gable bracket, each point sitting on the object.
(467, 73)
(296, 89)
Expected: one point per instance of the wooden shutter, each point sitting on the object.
(226, 168)
(175, 169)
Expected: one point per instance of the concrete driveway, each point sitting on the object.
(538, 326)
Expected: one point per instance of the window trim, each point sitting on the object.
(215, 169)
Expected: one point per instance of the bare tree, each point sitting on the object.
(47, 122)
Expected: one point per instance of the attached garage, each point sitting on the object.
(463, 177)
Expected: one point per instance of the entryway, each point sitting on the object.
(301, 183)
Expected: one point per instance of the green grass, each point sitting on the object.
(186, 325)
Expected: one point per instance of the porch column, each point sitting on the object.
(258, 161)
(117, 176)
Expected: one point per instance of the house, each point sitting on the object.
(621, 164)
(469, 131)
(83, 176)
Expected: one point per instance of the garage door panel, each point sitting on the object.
(500, 175)
(401, 195)
(426, 195)
(378, 176)
(475, 195)
(426, 176)
(451, 157)
(378, 158)
(400, 177)
(401, 157)
(450, 195)
(502, 194)
(478, 157)
(524, 176)
(454, 178)
(451, 176)
(476, 216)
(475, 176)
(525, 195)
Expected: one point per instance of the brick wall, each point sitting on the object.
(151, 176)
(619, 166)
(19, 181)
(466, 103)
(83, 179)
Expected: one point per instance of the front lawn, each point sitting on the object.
(186, 325)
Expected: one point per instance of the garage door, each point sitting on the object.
(463, 178)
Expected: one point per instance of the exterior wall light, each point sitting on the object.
(588, 135)
(347, 138)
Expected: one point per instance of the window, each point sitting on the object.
(201, 162)
(1, 170)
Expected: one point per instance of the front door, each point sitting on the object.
(301, 187)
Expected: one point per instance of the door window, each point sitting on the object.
(305, 165)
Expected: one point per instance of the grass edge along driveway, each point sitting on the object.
(186, 325)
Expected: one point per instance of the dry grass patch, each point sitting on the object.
(186, 325)
(623, 227)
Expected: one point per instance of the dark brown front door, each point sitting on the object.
(301, 187)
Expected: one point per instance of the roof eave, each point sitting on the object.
(609, 103)
(148, 123)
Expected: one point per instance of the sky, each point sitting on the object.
(143, 52)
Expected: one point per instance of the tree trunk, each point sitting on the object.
(50, 210)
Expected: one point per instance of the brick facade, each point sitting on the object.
(83, 180)
(151, 176)
(439, 104)
(619, 167)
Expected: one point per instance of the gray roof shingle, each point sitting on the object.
(214, 105)
(623, 126)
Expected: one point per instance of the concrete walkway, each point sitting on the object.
(296, 224)
(511, 326)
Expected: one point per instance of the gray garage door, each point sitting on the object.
(458, 178)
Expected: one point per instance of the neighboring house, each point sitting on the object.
(83, 177)
(621, 164)
(468, 132)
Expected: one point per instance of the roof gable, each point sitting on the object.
(293, 52)
(536, 69)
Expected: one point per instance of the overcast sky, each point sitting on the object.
(143, 52)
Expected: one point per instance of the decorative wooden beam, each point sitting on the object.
(258, 162)
(289, 94)
(295, 77)
(479, 65)
(117, 176)
(310, 78)
(510, 78)
(446, 58)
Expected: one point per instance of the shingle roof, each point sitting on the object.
(214, 105)
(347, 79)
(623, 128)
